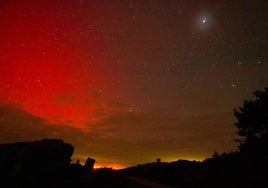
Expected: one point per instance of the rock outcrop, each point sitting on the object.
(89, 165)
(43, 156)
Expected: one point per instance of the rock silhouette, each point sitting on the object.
(38, 154)
(47, 163)
(33, 159)
(89, 165)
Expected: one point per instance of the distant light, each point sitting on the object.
(204, 21)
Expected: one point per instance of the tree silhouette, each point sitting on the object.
(252, 123)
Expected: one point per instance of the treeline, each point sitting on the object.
(222, 170)
(248, 167)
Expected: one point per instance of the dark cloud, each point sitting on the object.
(122, 134)
(18, 125)
(106, 138)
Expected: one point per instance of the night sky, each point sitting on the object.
(130, 81)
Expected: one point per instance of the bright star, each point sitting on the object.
(204, 21)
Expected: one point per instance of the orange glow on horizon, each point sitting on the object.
(109, 165)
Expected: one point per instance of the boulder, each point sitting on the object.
(89, 165)
(37, 156)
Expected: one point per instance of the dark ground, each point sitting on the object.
(46, 163)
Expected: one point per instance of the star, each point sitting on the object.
(203, 22)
